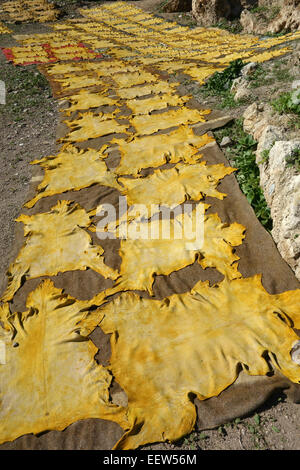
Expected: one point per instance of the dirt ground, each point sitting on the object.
(27, 131)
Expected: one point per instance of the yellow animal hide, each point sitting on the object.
(154, 151)
(193, 344)
(72, 169)
(55, 242)
(90, 126)
(50, 378)
(148, 124)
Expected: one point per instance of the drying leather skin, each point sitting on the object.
(204, 333)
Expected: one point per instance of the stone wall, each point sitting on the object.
(280, 182)
(210, 12)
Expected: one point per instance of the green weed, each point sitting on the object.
(161, 6)
(294, 123)
(221, 82)
(286, 103)
(282, 75)
(265, 12)
(191, 441)
(264, 156)
(187, 20)
(257, 419)
(258, 9)
(256, 431)
(283, 32)
(274, 12)
(233, 27)
(26, 90)
(275, 429)
(293, 160)
(228, 101)
(258, 77)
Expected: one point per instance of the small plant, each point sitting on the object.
(233, 27)
(258, 77)
(283, 32)
(257, 419)
(162, 5)
(275, 429)
(264, 156)
(294, 123)
(293, 160)
(258, 9)
(274, 12)
(191, 441)
(221, 82)
(267, 14)
(287, 103)
(222, 431)
(282, 74)
(228, 101)
(26, 90)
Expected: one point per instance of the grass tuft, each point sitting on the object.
(220, 84)
(26, 90)
(294, 159)
(287, 103)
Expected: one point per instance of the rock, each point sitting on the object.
(294, 59)
(255, 121)
(240, 88)
(249, 3)
(2, 92)
(242, 93)
(284, 202)
(225, 141)
(247, 21)
(296, 84)
(249, 69)
(260, 107)
(259, 127)
(237, 6)
(287, 19)
(269, 136)
(280, 182)
(177, 5)
(251, 23)
(236, 83)
(296, 96)
(210, 11)
(250, 116)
